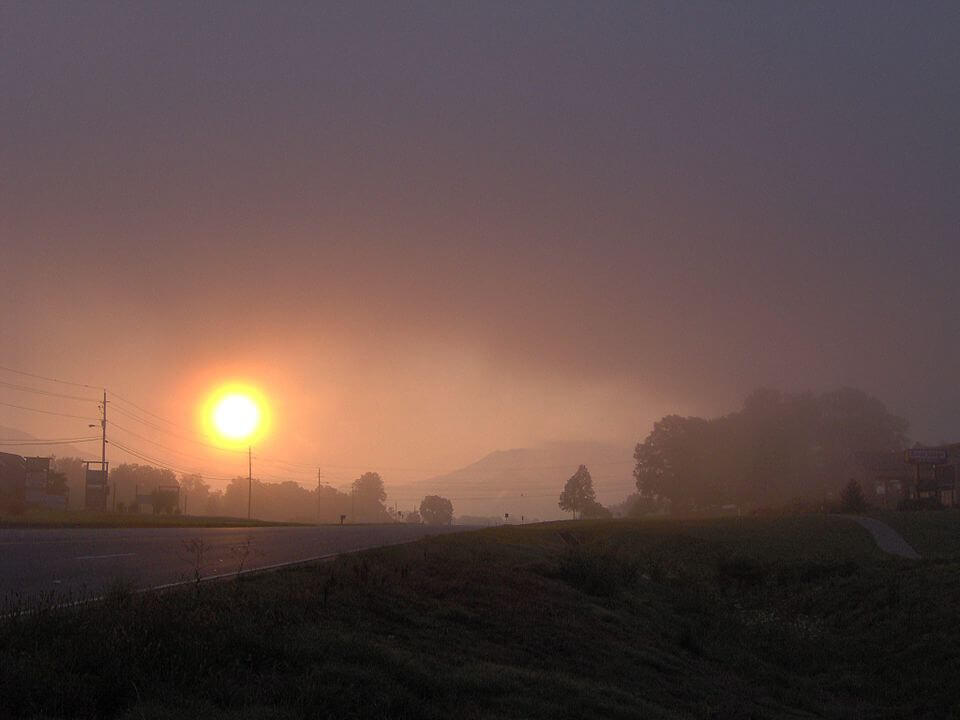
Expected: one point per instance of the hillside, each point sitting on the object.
(30, 447)
(527, 481)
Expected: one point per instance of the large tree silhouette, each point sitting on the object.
(368, 497)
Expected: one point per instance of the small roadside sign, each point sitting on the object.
(925, 456)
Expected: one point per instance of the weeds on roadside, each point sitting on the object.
(194, 550)
(240, 553)
(602, 571)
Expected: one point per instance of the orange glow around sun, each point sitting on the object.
(236, 414)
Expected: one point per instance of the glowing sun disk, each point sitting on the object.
(236, 416)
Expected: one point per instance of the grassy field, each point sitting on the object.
(91, 519)
(786, 618)
(933, 533)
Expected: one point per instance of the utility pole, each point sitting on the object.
(103, 449)
(249, 480)
(319, 499)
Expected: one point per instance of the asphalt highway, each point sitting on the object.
(78, 563)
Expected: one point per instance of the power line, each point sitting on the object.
(159, 428)
(148, 423)
(310, 466)
(294, 465)
(48, 412)
(197, 457)
(47, 378)
(50, 379)
(39, 391)
(164, 465)
(154, 442)
(412, 498)
(169, 466)
(266, 458)
(290, 463)
(62, 441)
(114, 395)
(185, 438)
(141, 409)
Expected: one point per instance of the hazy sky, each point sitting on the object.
(429, 230)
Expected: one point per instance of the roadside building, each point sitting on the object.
(25, 483)
(884, 476)
(12, 470)
(917, 473)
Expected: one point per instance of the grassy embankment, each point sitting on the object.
(91, 519)
(795, 617)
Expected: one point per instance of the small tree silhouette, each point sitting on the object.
(436, 510)
(852, 499)
(578, 494)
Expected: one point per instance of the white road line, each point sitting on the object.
(100, 557)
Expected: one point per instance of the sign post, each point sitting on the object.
(929, 457)
(95, 486)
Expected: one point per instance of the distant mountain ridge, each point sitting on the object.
(31, 448)
(527, 481)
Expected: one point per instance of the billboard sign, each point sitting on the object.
(95, 497)
(925, 456)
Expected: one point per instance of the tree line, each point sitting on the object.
(778, 448)
(282, 501)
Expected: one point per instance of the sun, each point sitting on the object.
(236, 414)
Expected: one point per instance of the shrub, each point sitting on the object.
(852, 499)
(743, 571)
(927, 503)
(597, 571)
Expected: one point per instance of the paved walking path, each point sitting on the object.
(887, 539)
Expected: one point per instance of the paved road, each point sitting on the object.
(887, 539)
(78, 562)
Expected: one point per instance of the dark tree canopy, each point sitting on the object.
(578, 493)
(368, 496)
(196, 493)
(132, 479)
(285, 501)
(675, 454)
(436, 510)
(779, 447)
(75, 470)
(370, 486)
